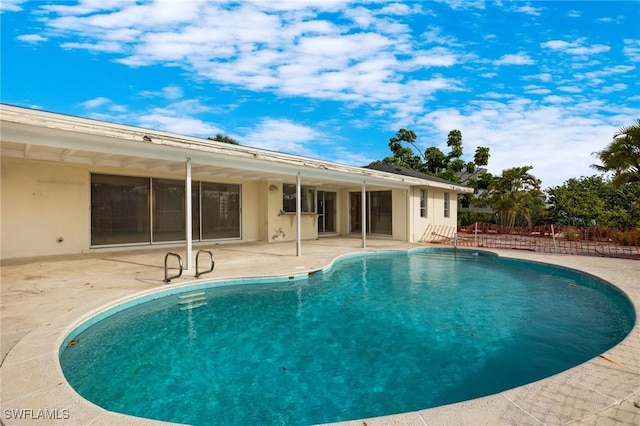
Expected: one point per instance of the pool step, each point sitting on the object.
(192, 300)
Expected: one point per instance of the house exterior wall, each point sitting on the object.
(252, 202)
(45, 207)
(435, 211)
(399, 218)
(48, 160)
(282, 226)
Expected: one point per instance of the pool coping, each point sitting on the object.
(605, 387)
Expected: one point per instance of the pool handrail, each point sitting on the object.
(168, 278)
(213, 262)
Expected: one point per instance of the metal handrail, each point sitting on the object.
(168, 278)
(213, 262)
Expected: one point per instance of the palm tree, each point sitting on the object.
(223, 138)
(622, 156)
(515, 194)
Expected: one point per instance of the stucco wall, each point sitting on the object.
(251, 202)
(283, 227)
(45, 208)
(400, 200)
(435, 211)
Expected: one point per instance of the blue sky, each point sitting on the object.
(540, 83)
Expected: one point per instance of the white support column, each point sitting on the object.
(298, 216)
(188, 214)
(364, 214)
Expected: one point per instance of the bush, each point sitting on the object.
(469, 218)
(628, 238)
(572, 234)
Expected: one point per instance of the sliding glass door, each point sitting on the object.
(119, 210)
(136, 210)
(378, 212)
(327, 207)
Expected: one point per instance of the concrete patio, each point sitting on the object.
(42, 299)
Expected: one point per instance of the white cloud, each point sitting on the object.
(11, 5)
(529, 10)
(436, 57)
(287, 49)
(537, 90)
(172, 121)
(281, 135)
(31, 38)
(96, 102)
(172, 92)
(555, 99)
(107, 47)
(99, 104)
(576, 47)
(606, 72)
(632, 49)
(167, 92)
(520, 58)
(610, 20)
(545, 77)
(618, 87)
(570, 89)
(464, 4)
(556, 138)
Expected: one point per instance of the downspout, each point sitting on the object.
(298, 216)
(188, 213)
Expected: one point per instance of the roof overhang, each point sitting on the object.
(34, 134)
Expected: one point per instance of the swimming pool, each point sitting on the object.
(412, 331)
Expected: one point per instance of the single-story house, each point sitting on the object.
(74, 185)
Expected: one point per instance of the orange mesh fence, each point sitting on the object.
(562, 239)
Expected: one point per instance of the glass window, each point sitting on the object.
(220, 210)
(123, 209)
(326, 209)
(446, 204)
(378, 212)
(423, 203)
(168, 210)
(119, 210)
(307, 195)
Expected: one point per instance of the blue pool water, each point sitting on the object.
(374, 335)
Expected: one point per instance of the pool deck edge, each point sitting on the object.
(604, 390)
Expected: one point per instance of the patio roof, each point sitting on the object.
(40, 135)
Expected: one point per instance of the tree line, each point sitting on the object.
(608, 199)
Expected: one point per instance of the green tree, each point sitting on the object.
(481, 157)
(595, 201)
(577, 202)
(515, 197)
(454, 141)
(223, 138)
(433, 161)
(403, 156)
(622, 156)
